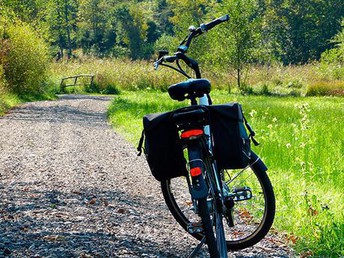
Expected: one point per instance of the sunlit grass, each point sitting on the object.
(8, 101)
(301, 143)
(123, 74)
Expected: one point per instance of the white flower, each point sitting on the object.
(252, 113)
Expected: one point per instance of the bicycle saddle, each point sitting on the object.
(192, 87)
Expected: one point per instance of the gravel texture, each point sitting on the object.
(70, 186)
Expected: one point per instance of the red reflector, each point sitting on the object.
(191, 133)
(195, 171)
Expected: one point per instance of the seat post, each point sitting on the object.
(193, 101)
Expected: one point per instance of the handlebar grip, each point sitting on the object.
(212, 24)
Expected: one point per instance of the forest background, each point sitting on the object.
(271, 56)
(261, 49)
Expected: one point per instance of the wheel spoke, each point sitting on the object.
(252, 216)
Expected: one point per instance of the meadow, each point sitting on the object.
(302, 145)
(114, 75)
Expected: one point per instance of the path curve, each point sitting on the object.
(72, 187)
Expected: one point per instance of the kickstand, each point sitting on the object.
(196, 250)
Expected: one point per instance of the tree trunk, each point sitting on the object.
(61, 52)
(69, 43)
(239, 78)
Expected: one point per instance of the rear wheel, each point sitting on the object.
(252, 205)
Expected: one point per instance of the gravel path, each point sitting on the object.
(71, 187)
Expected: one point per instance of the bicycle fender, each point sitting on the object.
(199, 188)
(256, 163)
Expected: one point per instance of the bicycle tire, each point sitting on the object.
(208, 228)
(261, 228)
(217, 216)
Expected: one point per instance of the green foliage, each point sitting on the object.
(23, 62)
(7, 101)
(166, 42)
(132, 28)
(96, 35)
(305, 164)
(335, 55)
(234, 44)
(302, 29)
(187, 13)
(29, 11)
(285, 30)
(62, 18)
(24, 58)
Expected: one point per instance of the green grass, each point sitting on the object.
(8, 101)
(302, 144)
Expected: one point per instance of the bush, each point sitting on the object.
(326, 88)
(2, 79)
(24, 58)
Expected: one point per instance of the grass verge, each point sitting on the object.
(10, 100)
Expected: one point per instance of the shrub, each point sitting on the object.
(111, 89)
(2, 79)
(265, 90)
(106, 83)
(326, 88)
(24, 57)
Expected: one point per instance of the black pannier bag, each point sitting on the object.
(231, 141)
(162, 146)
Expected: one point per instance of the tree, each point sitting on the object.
(303, 29)
(32, 12)
(62, 20)
(336, 54)
(187, 13)
(95, 31)
(131, 28)
(236, 42)
(162, 16)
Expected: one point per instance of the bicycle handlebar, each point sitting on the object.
(184, 46)
(212, 24)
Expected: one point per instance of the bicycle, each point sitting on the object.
(218, 192)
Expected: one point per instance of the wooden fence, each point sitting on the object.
(74, 80)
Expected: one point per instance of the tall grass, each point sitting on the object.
(121, 74)
(301, 143)
(260, 80)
